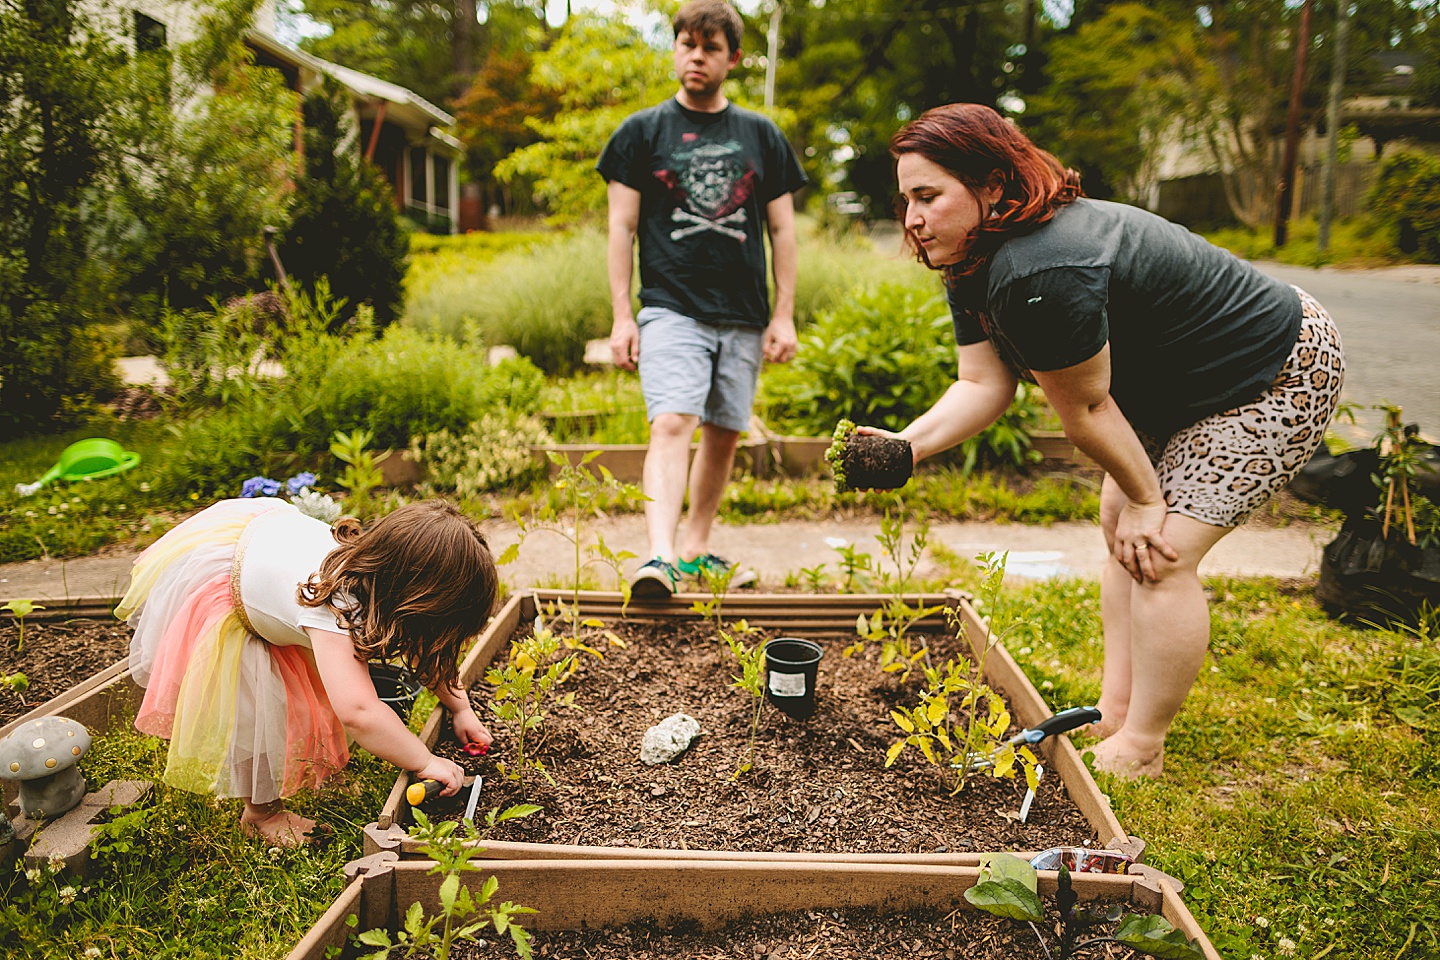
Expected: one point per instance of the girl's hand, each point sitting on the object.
(1138, 532)
(468, 728)
(447, 772)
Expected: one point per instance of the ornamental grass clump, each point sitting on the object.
(491, 454)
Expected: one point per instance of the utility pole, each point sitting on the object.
(1332, 123)
(1286, 187)
(772, 54)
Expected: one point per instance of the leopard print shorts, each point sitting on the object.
(1223, 468)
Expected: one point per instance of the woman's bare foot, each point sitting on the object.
(272, 823)
(1119, 756)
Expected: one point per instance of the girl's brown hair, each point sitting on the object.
(981, 149)
(417, 584)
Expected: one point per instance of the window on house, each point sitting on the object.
(418, 164)
(149, 34)
(442, 182)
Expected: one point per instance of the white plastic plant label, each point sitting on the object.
(787, 684)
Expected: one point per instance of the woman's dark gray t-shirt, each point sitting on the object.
(1193, 330)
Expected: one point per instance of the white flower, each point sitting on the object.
(67, 895)
(1286, 947)
(1047, 685)
(1261, 922)
(33, 874)
(92, 951)
(145, 487)
(319, 506)
(55, 864)
(274, 853)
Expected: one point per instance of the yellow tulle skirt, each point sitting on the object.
(244, 717)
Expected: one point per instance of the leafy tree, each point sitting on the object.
(1110, 117)
(344, 224)
(601, 70)
(206, 162)
(55, 144)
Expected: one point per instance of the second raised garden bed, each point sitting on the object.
(820, 788)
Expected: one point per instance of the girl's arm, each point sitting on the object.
(1081, 398)
(370, 722)
(468, 728)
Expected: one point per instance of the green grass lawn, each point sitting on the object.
(1301, 812)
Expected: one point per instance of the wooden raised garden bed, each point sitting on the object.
(819, 785)
(692, 908)
(99, 700)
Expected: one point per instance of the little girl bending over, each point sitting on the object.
(253, 624)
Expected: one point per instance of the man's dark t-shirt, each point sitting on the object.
(704, 181)
(1193, 330)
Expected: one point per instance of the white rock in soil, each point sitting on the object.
(668, 739)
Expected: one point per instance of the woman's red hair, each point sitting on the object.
(980, 148)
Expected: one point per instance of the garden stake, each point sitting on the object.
(474, 798)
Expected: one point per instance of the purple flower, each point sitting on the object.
(299, 482)
(259, 487)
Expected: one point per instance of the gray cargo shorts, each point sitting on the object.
(698, 369)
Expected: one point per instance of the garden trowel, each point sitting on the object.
(1062, 722)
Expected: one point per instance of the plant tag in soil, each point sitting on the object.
(787, 684)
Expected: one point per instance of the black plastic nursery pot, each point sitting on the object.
(396, 686)
(792, 666)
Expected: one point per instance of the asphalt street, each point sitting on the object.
(1389, 319)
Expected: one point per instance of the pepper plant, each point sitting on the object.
(890, 625)
(1009, 886)
(959, 719)
(526, 690)
(463, 916)
(580, 493)
(751, 680)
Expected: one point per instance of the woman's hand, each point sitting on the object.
(447, 772)
(468, 728)
(1138, 532)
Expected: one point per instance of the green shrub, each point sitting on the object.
(545, 301)
(343, 224)
(1406, 196)
(409, 383)
(881, 356)
(491, 454)
(831, 267)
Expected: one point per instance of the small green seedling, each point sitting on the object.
(463, 915)
(15, 681)
(751, 680)
(525, 693)
(362, 471)
(581, 491)
(21, 609)
(835, 453)
(890, 625)
(1008, 888)
(719, 586)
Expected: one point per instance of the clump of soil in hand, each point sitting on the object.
(864, 462)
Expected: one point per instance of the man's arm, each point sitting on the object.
(620, 263)
(780, 341)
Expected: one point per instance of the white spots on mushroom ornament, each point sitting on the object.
(44, 755)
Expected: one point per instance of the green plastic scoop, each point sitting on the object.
(89, 459)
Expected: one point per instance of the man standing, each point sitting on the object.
(701, 181)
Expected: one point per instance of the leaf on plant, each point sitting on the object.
(519, 810)
(1156, 937)
(902, 721)
(1008, 898)
(893, 752)
(449, 887)
(937, 709)
(1002, 866)
(509, 555)
(375, 938)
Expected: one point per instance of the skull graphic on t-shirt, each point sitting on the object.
(712, 182)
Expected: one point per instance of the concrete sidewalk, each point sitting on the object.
(773, 550)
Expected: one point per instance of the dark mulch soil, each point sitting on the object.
(57, 655)
(820, 785)
(876, 463)
(805, 935)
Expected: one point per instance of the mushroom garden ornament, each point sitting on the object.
(44, 755)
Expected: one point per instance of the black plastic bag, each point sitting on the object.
(1346, 482)
(1374, 579)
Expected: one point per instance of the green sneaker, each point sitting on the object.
(655, 580)
(716, 566)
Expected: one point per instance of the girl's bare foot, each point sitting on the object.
(1119, 756)
(274, 824)
(1107, 726)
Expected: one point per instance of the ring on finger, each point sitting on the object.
(1142, 545)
